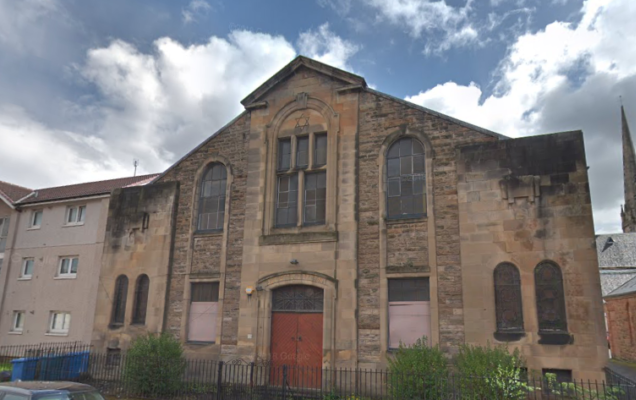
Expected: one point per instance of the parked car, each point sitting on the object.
(39, 390)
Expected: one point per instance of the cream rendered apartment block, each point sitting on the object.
(52, 259)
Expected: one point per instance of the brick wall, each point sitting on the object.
(621, 324)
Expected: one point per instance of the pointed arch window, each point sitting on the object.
(406, 179)
(212, 198)
(119, 302)
(550, 297)
(141, 300)
(508, 303)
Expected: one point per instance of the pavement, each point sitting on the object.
(626, 369)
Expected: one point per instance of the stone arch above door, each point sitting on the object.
(265, 287)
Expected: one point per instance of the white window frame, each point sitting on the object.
(32, 224)
(67, 274)
(23, 274)
(15, 328)
(80, 215)
(66, 323)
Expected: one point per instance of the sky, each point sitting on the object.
(88, 86)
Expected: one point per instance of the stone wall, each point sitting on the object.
(139, 232)
(525, 201)
(421, 245)
(621, 324)
(214, 257)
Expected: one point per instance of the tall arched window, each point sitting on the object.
(508, 303)
(212, 198)
(548, 282)
(406, 180)
(119, 301)
(141, 300)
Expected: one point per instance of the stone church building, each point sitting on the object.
(329, 222)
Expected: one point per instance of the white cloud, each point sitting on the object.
(563, 75)
(443, 25)
(152, 106)
(195, 9)
(325, 46)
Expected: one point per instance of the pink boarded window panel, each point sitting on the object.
(409, 321)
(202, 321)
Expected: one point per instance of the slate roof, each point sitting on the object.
(627, 288)
(616, 250)
(84, 189)
(612, 279)
(12, 193)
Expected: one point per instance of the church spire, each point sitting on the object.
(628, 214)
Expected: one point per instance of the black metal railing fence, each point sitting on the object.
(124, 376)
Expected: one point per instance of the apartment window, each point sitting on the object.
(27, 268)
(36, 219)
(406, 180)
(75, 215)
(409, 311)
(119, 302)
(204, 301)
(18, 321)
(212, 198)
(68, 267)
(141, 300)
(4, 232)
(294, 173)
(60, 322)
(550, 298)
(508, 306)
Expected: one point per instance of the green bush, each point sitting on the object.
(418, 372)
(570, 390)
(154, 365)
(487, 372)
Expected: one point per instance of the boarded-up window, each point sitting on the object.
(212, 198)
(406, 181)
(409, 311)
(141, 299)
(508, 305)
(550, 298)
(204, 301)
(119, 301)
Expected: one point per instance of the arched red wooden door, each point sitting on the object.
(297, 335)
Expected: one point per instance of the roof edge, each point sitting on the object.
(290, 68)
(440, 115)
(614, 295)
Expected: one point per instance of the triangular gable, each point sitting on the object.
(290, 68)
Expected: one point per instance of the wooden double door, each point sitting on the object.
(296, 347)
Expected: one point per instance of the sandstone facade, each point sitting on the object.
(469, 224)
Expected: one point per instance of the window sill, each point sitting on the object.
(72, 225)
(216, 232)
(24, 278)
(115, 326)
(195, 343)
(34, 228)
(509, 336)
(555, 338)
(15, 332)
(56, 334)
(62, 278)
(299, 237)
(405, 219)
